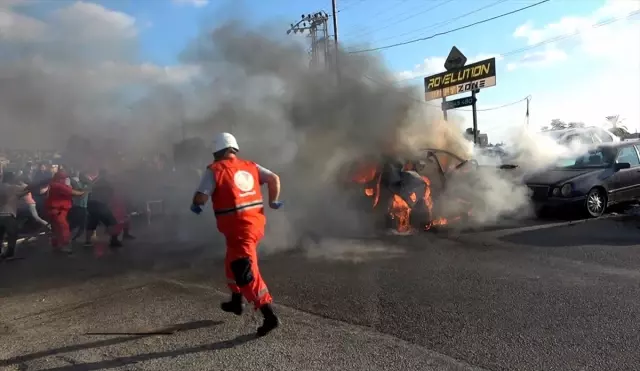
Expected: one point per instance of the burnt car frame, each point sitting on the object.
(405, 178)
(607, 174)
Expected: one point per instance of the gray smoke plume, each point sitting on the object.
(301, 123)
(76, 71)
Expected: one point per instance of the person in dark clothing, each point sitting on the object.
(98, 208)
(10, 193)
(78, 214)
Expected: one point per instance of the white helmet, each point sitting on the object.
(224, 141)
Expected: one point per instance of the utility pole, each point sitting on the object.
(317, 26)
(334, 10)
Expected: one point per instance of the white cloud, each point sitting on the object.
(84, 39)
(539, 59)
(602, 41)
(196, 3)
(612, 86)
(433, 65)
(93, 22)
(75, 65)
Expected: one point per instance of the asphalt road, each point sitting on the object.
(551, 296)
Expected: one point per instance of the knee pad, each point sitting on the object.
(241, 269)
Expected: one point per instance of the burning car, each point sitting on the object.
(408, 195)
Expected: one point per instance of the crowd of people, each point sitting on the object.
(70, 199)
(67, 195)
(62, 201)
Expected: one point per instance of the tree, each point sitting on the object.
(616, 127)
(557, 124)
(545, 128)
(573, 125)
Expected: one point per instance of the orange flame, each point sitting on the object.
(399, 209)
(365, 175)
(400, 212)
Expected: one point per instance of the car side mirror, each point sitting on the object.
(621, 165)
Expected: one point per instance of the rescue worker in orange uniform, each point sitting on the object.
(234, 187)
(58, 204)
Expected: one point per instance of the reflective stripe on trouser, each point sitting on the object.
(245, 246)
(240, 208)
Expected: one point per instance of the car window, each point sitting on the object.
(628, 154)
(593, 159)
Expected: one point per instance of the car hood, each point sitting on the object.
(555, 176)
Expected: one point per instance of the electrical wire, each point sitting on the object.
(573, 34)
(349, 5)
(368, 30)
(445, 22)
(554, 39)
(449, 31)
(411, 16)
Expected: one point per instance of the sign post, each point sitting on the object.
(475, 116)
(461, 78)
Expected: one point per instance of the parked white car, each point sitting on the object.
(587, 135)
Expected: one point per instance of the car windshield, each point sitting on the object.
(592, 159)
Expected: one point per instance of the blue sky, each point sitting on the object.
(570, 79)
(378, 23)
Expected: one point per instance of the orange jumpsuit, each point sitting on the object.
(58, 203)
(237, 204)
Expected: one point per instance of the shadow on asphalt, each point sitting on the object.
(108, 342)
(124, 361)
(39, 269)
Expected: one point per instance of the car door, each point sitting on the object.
(627, 181)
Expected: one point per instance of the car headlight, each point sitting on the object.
(556, 192)
(566, 190)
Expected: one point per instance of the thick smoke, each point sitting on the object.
(304, 123)
(306, 126)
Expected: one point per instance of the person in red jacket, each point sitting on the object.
(58, 203)
(234, 187)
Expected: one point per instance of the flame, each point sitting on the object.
(365, 174)
(400, 212)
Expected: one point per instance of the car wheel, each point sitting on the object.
(596, 203)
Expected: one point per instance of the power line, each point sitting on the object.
(411, 16)
(385, 11)
(446, 22)
(573, 34)
(449, 31)
(554, 39)
(349, 5)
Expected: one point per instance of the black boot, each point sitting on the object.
(271, 321)
(234, 306)
(115, 243)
